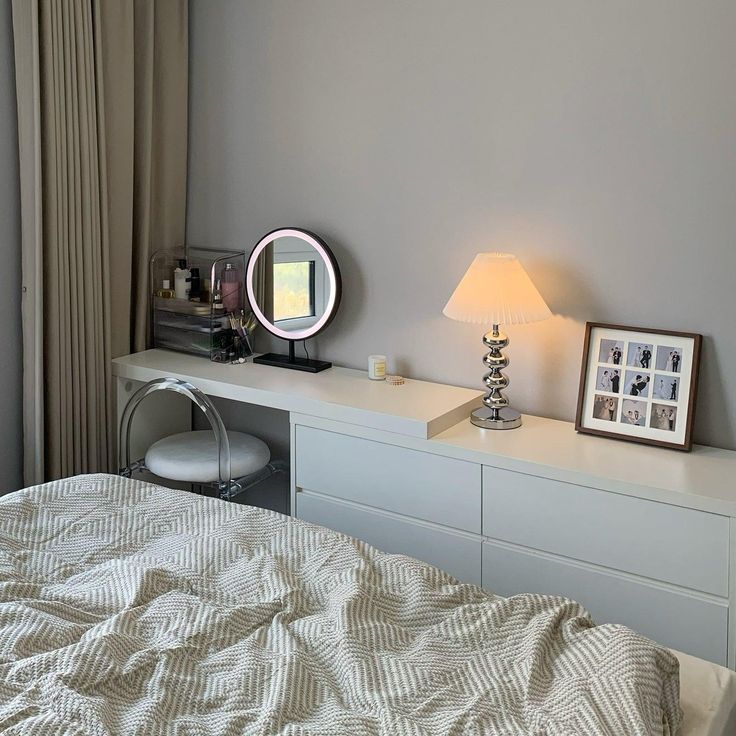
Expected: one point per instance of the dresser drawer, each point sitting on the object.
(656, 540)
(456, 553)
(677, 620)
(383, 476)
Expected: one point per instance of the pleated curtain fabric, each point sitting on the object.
(102, 108)
(76, 313)
(160, 177)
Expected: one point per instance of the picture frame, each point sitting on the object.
(639, 384)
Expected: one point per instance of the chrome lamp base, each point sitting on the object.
(495, 412)
(507, 418)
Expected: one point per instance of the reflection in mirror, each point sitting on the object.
(298, 284)
(293, 285)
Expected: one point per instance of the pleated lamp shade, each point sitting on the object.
(496, 290)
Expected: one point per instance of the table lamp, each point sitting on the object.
(496, 290)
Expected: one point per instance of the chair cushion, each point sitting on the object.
(192, 456)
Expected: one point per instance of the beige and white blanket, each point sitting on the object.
(127, 608)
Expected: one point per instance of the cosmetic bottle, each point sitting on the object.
(195, 285)
(230, 288)
(217, 306)
(181, 280)
(166, 292)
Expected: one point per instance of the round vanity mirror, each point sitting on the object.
(293, 285)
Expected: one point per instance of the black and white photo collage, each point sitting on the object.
(638, 384)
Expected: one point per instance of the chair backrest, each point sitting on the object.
(200, 400)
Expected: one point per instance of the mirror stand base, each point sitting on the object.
(289, 361)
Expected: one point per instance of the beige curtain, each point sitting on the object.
(102, 110)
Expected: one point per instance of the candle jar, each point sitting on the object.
(377, 367)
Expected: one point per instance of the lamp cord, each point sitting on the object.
(304, 343)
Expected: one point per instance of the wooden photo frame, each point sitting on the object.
(639, 384)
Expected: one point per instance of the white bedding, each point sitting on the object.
(130, 608)
(708, 698)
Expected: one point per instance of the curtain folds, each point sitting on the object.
(102, 103)
(161, 110)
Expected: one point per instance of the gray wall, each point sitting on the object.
(11, 389)
(597, 141)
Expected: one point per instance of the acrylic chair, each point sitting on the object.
(230, 462)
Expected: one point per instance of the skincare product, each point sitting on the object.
(217, 305)
(377, 367)
(230, 288)
(181, 278)
(166, 292)
(195, 285)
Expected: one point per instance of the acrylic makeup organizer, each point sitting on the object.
(208, 327)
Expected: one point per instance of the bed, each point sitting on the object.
(707, 697)
(128, 608)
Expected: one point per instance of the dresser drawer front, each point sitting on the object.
(677, 620)
(456, 553)
(655, 540)
(417, 484)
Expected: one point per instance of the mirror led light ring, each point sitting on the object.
(333, 277)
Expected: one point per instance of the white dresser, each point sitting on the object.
(639, 535)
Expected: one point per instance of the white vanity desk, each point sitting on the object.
(640, 535)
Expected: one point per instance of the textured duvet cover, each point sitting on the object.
(127, 608)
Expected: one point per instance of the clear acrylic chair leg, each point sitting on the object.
(202, 402)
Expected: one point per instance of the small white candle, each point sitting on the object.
(377, 367)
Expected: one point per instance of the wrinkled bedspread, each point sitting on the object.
(127, 608)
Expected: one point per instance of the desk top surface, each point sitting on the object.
(704, 479)
(417, 408)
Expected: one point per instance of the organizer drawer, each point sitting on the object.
(456, 553)
(677, 620)
(656, 540)
(383, 476)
